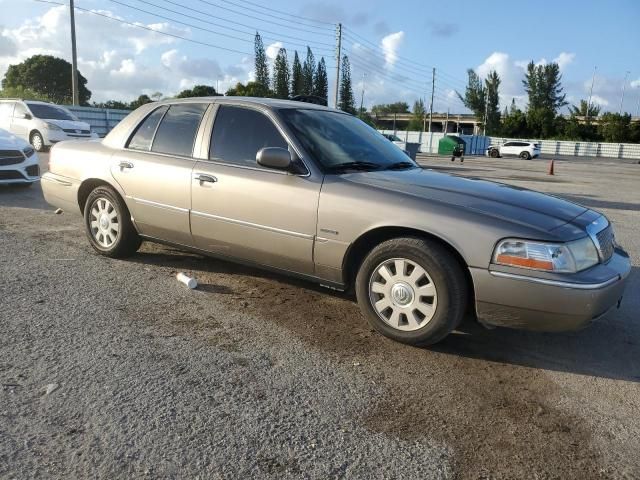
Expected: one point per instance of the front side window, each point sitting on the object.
(239, 133)
(178, 128)
(143, 135)
(19, 111)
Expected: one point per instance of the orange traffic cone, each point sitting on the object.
(551, 168)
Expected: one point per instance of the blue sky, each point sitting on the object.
(394, 44)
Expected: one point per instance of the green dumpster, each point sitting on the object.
(451, 146)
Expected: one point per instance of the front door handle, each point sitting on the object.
(202, 178)
(124, 165)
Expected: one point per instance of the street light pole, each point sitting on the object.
(74, 56)
(593, 78)
(624, 84)
(362, 97)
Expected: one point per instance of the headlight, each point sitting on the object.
(568, 257)
(28, 151)
(52, 126)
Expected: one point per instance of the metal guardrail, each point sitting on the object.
(102, 120)
(478, 144)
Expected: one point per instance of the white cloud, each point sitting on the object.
(390, 45)
(564, 59)
(635, 83)
(598, 100)
(273, 49)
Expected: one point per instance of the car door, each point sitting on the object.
(6, 115)
(21, 121)
(508, 149)
(243, 210)
(154, 170)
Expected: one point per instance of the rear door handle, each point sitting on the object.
(202, 178)
(124, 165)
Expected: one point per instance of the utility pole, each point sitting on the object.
(446, 122)
(486, 109)
(638, 108)
(624, 84)
(338, 60)
(593, 79)
(433, 86)
(362, 97)
(74, 56)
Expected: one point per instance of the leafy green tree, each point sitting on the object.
(46, 75)
(347, 100)
(543, 84)
(390, 108)
(251, 89)
(417, 120)
(141, 100)
(492, 96)
(583, 108)
(514, 124)
(198, 91)
(261, 67)
(297, 81)
(321, 81)
(614, 127)
(474, 94)
(22, 92)
(281, 75)
(117, 104)
(308, 73)
(366, 117)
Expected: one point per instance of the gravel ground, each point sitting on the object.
(111, 369)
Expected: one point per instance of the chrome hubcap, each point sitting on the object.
(37, 142)
(403, 294)
(104, 222)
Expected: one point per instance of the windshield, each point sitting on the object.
(50, 112)
(335, 139)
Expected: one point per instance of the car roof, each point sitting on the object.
(275, 103)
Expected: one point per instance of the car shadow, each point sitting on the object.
(23, 197)
(609, 348)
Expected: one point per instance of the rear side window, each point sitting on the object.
(6, 109)
(178, 128)
(143, 136)
(238, 134)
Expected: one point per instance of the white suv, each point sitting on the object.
(18, 162)
(524, 150)
(42, 124)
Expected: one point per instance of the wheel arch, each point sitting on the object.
(88, 185)
(359, 249)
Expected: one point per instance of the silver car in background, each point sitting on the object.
(316, 193)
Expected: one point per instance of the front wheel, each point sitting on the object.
(108, 224)
(412, 290)
(525, 155)
(494, 153)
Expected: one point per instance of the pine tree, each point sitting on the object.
(296, 76)
(544, 88)
(281, 75)
(347, 101)
(474, 94)
(262, 70)
(308, 72)
(320, 81)
(492, 87)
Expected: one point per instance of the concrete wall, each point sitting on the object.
(477, 145)
(102, 120)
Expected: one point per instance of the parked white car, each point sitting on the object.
(19, 162)
(42, 124)
(524, 150)
(396, 141)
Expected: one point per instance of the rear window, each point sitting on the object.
(143, 135)
(177, 131)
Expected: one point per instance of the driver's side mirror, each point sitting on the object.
(274, 157)
(27, 116)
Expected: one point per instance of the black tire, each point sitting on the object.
(127, 241)
(37, 142)
(525, 155)
(447, 276)
(494, 153)
(22, 184)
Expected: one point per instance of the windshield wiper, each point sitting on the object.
(401, 166)
(341, 167)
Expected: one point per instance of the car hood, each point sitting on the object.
(498, 200)
(8, 141)
(69, 124)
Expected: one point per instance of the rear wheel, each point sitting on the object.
(108, 224)
(525, 155)
(412, 290)
(37, 142)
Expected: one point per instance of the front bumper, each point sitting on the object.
(27, 171)
(511, 299)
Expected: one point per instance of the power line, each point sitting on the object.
(281, 13)
(190, 24)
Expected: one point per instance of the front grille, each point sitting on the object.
(33, 170)
(74, 130)
(11, 157)
(605, 243)
(10, 175)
